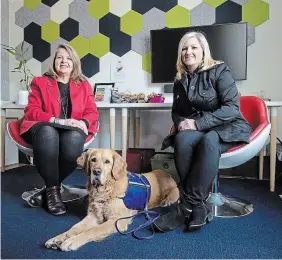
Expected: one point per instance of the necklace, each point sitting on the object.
(65, 109)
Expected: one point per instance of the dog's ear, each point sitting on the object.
(82, 161)
(119, 166)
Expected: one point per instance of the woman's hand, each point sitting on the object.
(75, 123)
(187, 124)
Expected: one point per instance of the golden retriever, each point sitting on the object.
(107, 184)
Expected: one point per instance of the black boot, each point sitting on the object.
(201, 215)
(53, 202)
(178, 213)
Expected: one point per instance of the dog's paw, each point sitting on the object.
(71, 244)
(54, 243)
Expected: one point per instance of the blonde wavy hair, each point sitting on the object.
(207, 62)
(76, 74)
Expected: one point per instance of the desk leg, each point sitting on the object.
(128, 127)
(124, 132)
(112, 127)
(273, 135)
(3, 130)
(137, 129)
(261, 158)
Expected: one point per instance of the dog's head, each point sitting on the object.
(101, 165)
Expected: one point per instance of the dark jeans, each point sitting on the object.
(197, 159)
(55, 152)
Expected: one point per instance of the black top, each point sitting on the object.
(65, 100)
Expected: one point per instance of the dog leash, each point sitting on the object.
(150, 215)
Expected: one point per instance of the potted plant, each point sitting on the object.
(22, 69)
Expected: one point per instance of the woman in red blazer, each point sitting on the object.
(61, 112)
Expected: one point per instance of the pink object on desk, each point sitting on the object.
(157, 100)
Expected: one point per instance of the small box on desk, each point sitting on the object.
(165, 162)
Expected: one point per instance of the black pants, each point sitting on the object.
(197, 159)
(55, 151)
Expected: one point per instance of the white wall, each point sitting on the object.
(264, 74)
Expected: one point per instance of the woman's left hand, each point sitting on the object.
(84, 127)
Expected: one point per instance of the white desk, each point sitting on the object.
(135, 108)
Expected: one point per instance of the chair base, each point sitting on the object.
(228, 207)
(68, 192)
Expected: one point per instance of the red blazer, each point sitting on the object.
(44, 102)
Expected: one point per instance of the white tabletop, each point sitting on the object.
(133, 105)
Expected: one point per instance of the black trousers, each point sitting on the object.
(197, 157)
(55, 151)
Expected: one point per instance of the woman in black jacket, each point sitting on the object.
(206, 114)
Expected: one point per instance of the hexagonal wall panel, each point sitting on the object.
(131, 22)
(154, 19)
(32, 33)
(120, 43)
(60, 11)
(178, 17)
(251, 34)
(41, 50)
(31, 4)
(89, 65)
(35, 67)
(50, 31)
(45, 65)
(240, 2)
(56, 43)
(120, 7)
(109, 25)
(41, 14)
(189, 4)
(202, 14)
(98, 8)
(214, 3)
(50, 3)
(23, 17)
(88, 25)
(144, 6)
(146, 62)
(81, 45)
(229, 12)
(99, 45)
(65, 31)
(255, 12)
(140, 42)
(24, 51)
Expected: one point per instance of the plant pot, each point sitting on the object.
(23, 97)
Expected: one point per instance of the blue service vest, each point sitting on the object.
(138, 192)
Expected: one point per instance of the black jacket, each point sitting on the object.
(212, 99)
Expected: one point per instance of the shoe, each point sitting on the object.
(53, 201)
(201, 215)
(177, 215)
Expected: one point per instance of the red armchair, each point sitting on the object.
(33, 197)
(255, 111)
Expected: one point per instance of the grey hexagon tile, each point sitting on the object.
(41, 14)
(154, 19)
(203, 14)
(24, 51)
(251, 34)
(46, 64)
(140, 42)
(23, 17)
(55, 44)
(78, 9)
(88, 26)
(240, 2)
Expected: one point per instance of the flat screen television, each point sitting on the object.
(228, 42)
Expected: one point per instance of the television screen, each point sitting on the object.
(228, 42)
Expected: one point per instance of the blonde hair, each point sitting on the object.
(76, 74)
(207, 62)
